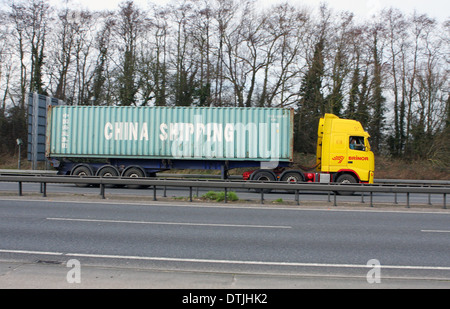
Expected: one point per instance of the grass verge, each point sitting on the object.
(220, 196)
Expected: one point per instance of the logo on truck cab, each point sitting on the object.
(357, 158)
(338, 158)
(350, 158)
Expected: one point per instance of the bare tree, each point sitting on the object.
(224, 14)
(417, 26)
(377, 99)
(286, 29)
(397, 44)
(36, 18)
(158, 73)
(18, 16)
(201, 34)
(100, 89)
(6, 62)
(129, 27)
(63, 56)
(340, 40)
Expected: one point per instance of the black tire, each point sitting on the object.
(134, 172)
(108, 171)
(346, 179)
(292, 177)
(82, 171)
(263, 176)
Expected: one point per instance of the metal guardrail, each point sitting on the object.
(376, 181)
(26, 172)
(226, 185)
(233, 177)
(412, 182)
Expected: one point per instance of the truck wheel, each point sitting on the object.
(108, 171)
(263, 176)
(134, 172)
(346, 179)
(82, 171)
(292, 177)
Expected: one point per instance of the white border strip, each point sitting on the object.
(172, 223)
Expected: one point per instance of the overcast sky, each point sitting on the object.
(439, 9)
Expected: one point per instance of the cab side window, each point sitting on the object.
(357, 143)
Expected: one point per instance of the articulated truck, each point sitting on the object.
(142, 141)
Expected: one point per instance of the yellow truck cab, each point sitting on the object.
(343, 150)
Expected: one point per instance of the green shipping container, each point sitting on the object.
(188, 133)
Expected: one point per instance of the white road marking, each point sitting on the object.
(31, 252)
(166, 259)
(173, 223)
(435, 231)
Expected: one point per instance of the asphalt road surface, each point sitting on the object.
(125, 242)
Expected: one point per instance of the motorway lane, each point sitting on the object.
(222, 238)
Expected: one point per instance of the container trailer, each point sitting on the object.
(142, 141)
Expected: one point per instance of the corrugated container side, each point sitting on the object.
(194, 133)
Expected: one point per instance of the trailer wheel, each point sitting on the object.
(108, 171)
(134, 172)
(292, 177)
(263, 176)
(345, 179)
(82, 171)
